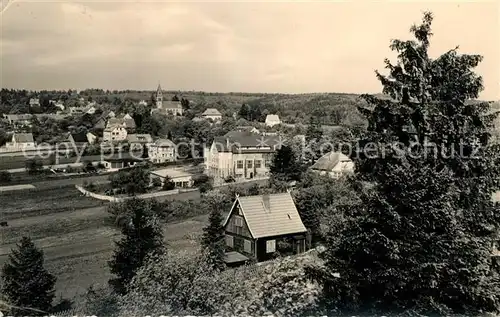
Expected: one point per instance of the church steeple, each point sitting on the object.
(159, 96)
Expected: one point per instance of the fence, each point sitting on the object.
(120, 199)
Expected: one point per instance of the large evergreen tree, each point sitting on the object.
(27, 285)
(213, 239)
(141, 238)
(285, 166)
(423, 240)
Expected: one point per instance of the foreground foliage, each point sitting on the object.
(26, 283)
(423, 240)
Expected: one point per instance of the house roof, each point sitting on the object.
(127, 123)
(328, 161)
(23, 137)
(168, 104)
(164, 142)
(139, 138)
(79, 137)
(235, 140)
(16, 117)
(211, 112)
(272, 118)
(172, 173)
(270, 215)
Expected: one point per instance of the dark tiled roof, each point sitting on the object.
(237, 140)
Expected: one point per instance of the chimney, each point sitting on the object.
(266, 202)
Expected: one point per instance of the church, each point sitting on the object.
(167, 107)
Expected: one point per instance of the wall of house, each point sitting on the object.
(296, 246)
(247, 168)
(117, 134)
(238, 235)
(161, 154)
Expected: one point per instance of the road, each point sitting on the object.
(20, 170)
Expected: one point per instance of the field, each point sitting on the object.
(76, 232)
(14, 162)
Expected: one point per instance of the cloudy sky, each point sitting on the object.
(288, 47)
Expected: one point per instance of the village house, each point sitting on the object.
(181, 179)
(21, 142)
(139, 141)
(119, 161)
(19, 120)
(162, 150)
(263, 226)
(34, 102)
(247, 128)
(333, 164)
(143, 103)
(241, 155)
(212, 114)
(114, 133)
(272, 120)
(167, 106)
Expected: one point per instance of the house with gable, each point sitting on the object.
(333, 164)
(212, 114)
(139, 141)
(272, 120)
(259, 227)
(21, 142)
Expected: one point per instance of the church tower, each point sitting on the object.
(159, 97)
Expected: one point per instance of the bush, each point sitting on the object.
(34, 166)
(168, 184)
(156, 182)
(5, 177)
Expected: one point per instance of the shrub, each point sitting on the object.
(5, 177)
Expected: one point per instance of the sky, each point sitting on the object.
(284, 47)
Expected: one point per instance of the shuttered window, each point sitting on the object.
(247, 246)
(229, 241)
(270, 246)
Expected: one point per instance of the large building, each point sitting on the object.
(168, 107)
(162, 151)
(241, 155)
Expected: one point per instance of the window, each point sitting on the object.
(270, 246)
(238, 221)
(229, 241)
(247, 247)
(239, 164)
(249, 164)
(257, 164)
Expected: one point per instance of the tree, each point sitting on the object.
(285, 166)
(26, 283)
(132, 181)
(422, 240)
(314, 130)
(4, 137)
(244, 111)
(145, 152)
(203, 182)
(168, 183)
(213, 239)
(33, 166)
(5, 177)
(141, 238)
(175, 98)
(185, 104)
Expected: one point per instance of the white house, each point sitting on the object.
(114, 133)
(143, 103)
(90, 110)
(241, 155)
(34, 102)
(138, 141)
(212, 114)
(180, 178)
(162, 150)
(91, 138)
(272, 120)
(333, 164)
(21, 142)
